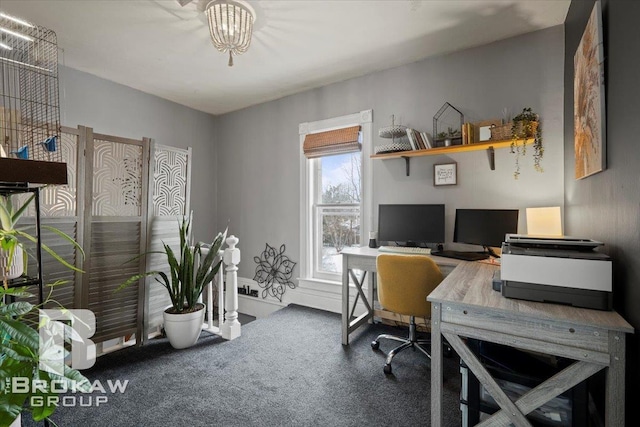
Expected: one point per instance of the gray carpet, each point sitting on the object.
(288, 369)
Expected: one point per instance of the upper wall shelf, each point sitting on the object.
(488, 145)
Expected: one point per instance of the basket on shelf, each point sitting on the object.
(393, 131)
(503, 132)
(392, 148)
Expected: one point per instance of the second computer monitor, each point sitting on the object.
(411, 225)
(484, 227)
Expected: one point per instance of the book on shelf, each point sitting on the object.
(426, 140)
(468, 134)
(421, 143)
(417, 139)
(412, 141)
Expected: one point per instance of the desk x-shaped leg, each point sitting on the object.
(514, 412)
(353, 323)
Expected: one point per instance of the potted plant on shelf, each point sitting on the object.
(22, 356)
(448, 136)
(190, 271)
(12, 255)
(524, 126)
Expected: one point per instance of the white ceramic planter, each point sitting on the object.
(17, 264)
(183, 330)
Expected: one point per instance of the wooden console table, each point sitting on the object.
(465, 305)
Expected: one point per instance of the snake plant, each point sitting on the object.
(189, 270)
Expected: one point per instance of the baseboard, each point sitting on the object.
(328, 298)
(256, 306)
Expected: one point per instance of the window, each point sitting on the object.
(336, 211)
(334, 189)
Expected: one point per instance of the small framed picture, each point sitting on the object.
(445, 174)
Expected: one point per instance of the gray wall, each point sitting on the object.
(114, 109)
(605, 206)
(259, 152)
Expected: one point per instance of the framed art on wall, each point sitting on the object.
(445, 174)
(588, 99)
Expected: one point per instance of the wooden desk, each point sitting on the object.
(364, 259)
(465, 305)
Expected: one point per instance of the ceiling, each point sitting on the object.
(162, 48)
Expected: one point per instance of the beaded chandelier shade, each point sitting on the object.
(230, 26)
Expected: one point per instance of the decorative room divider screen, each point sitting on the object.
(115, 231)
(116, 206)
(170, 199)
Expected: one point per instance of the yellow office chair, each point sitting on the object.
(404, 281)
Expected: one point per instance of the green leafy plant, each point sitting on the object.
(451, 132)
(10, 236)
(20, 346)
(526, 125)
(189, 272)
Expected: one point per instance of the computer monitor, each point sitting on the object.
(411, 225)
(484, 227)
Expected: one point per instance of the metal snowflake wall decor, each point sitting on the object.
(274, 272)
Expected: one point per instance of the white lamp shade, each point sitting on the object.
(544, 221)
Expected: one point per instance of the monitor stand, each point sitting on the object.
(491, 252)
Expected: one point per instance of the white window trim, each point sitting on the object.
(365, 120)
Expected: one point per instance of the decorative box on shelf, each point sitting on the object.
(503, 132)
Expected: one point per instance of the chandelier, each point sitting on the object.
(230, 26)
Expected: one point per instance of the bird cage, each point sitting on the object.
(29, 102)
(447, 125)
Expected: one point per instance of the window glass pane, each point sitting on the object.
(340, 228)
(340, 178)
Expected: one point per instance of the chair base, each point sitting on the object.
(411, 341)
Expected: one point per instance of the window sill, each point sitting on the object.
(312, 283)
(325, 285)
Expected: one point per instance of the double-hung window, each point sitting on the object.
(334, 214)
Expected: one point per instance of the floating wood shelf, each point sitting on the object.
(487, 145)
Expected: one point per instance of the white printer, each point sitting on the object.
(562, 270)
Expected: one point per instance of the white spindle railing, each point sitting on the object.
(229, 325)
(230, 329)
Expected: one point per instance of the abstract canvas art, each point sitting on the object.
(588, 92)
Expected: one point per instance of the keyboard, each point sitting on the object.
(466, 256)
(405, 250)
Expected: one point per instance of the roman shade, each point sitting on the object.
(338, 141)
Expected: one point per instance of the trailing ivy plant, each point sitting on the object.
(526, 125)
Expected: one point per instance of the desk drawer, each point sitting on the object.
(562, 333)
(361, 263)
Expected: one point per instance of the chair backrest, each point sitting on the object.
(404, 281)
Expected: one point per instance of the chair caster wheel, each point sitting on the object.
(387, 369)
(375, 345)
